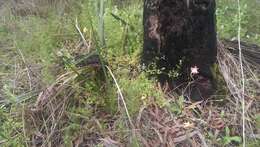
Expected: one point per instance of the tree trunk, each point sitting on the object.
(179, 35)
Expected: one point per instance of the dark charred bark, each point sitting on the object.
(181, 34)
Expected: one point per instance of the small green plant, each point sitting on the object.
(11, 133)
(154, 70)
(138, 92)
(177, 106)
(227, 139)
(257, 119)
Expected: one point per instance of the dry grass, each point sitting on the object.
(47, 116)
(230, 69)
(47, 119)
(34, 7)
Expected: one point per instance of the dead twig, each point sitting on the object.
(121, 97)
(189, 135)
(82, 36)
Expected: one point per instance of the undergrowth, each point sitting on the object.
(55, 89)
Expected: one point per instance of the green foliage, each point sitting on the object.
(126, 39)
(177, 106)
(134, 142)
(123, 33)
(11, 132)
(227, 19)
(257, 119)
(220, 83)
(253, 143)
(138, 92)
(154, 70)
(228, 139)
(38, 38)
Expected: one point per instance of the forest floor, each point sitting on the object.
(61, 85)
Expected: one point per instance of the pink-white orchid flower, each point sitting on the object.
(194, 70)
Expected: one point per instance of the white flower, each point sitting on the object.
(194, 70)
(85, 29)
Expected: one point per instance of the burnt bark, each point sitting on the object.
(180, 34)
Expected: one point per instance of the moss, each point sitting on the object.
(219, 81)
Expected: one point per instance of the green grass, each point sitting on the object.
(227, 20)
